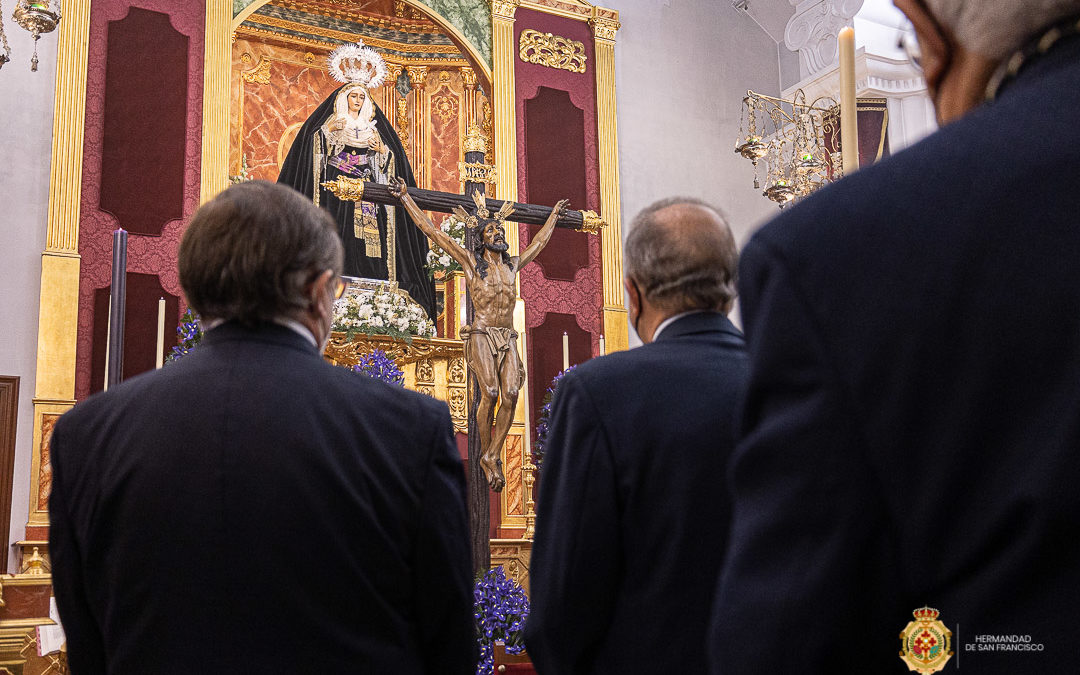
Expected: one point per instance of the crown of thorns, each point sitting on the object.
(482, 211)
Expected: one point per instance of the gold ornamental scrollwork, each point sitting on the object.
(457, 400)
(471, 172)
(417, 76)
(553, 51)
(455, 374)
(468, 76)
(475, 140)
(403, 123)
(504, 9)
(425, 371)
(259, 74)
(346, 189)
(343, 351)
(591, 222)
(604, 29)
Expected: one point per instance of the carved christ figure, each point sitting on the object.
(490, 341)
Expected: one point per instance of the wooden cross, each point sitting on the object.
(475, 172)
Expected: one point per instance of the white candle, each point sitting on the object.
(849, 129)
(602, 349)
(565, 351)
(159, 357)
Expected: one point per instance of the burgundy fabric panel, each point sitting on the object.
(563, 146)
(555, 166)
(154, 255)
(873, 134)
(581, 87)
(142, 163)
(140, 326)
(545, 356)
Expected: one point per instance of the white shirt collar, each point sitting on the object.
(299, 328)
(670, 320)
(291, 324)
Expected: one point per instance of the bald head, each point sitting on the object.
(682, 256)
(996, 28)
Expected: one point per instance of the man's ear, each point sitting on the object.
(935, 42)
(317, 288)
(632, 291)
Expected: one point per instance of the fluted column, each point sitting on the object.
(217, 67)
(502, 47)
(468, 78)
(418, 80)
(615, 318)
(388, 92)
(58, 303)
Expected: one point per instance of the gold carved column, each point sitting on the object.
(217, 68)
(503, 52)
(421, 153)
(58, 307)
(388, 92)
(615, 317)
(468, 78)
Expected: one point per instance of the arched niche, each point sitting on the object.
(468, 49)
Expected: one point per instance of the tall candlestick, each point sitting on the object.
(160, 355)
(118, 301)
(565, 351)
(108, 330)
(849, 125)
(603, 350)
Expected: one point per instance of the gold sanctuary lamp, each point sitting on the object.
(792, 136)
(37, 17)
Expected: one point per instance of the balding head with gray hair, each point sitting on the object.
(996, 28)
(682, 256)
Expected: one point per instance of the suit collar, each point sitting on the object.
(697, 323)
(268, 333)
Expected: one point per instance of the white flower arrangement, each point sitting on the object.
(381, 311)
(439, 262)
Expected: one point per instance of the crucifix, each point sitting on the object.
(495, 368)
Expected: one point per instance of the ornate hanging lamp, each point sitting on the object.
(6, 56)
(791, 136)
(37, 17)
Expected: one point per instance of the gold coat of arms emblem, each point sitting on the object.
(925, 643)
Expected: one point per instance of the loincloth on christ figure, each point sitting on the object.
(498, 341)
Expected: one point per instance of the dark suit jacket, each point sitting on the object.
(255, 509)
(912, 427)
(632, 513)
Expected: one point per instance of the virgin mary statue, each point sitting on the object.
(348, 135)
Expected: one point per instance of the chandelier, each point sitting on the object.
(798, 141)
(37, 17)
(6, 55)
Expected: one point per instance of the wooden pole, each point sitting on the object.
(479, 493)
(444, 202)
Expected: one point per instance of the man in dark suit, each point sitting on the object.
(253, 508)
(912, 427)
(632, 512)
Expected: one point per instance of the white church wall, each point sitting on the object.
(26, 116)
(681, 70)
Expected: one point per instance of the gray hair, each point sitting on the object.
(249, 253)
(996, 28)
(682, 255)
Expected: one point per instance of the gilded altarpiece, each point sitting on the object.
(431, 95)
(249, 86)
